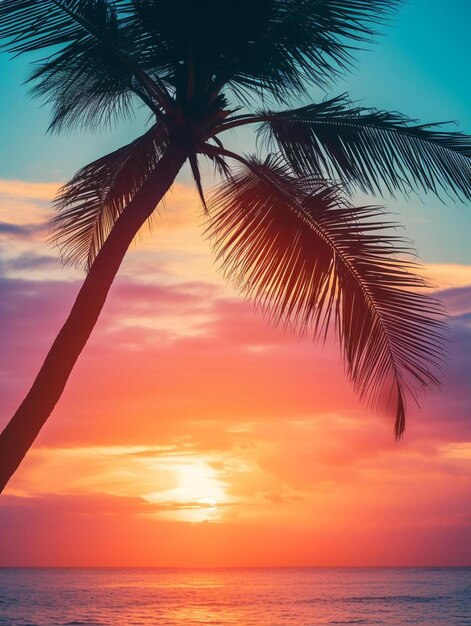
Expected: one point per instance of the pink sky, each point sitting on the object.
(192, 434)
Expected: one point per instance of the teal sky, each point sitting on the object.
(420, 67)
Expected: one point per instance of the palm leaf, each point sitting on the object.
(85, 85)
(310, 40)
(89, 205)
(30, 26)
(312, 260)
(94, 65)
(370, 149)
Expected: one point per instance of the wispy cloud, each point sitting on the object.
(23, 189)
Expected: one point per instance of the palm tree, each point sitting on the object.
(283, 224)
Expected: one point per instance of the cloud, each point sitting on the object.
(456, 300)
(13, 229)
(24, 202)
(153, 341)
(22, 189)
(448, 275)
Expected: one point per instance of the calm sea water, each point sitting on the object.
(242, 597)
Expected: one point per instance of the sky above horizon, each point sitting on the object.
(193, 434)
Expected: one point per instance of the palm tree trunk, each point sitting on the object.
(23, 428)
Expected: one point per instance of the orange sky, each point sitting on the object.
(192, 434)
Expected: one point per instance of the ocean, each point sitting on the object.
(242, 597)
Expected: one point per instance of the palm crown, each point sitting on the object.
(282, 223)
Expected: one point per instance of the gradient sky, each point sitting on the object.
(191, 433)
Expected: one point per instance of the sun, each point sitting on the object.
(198, 490)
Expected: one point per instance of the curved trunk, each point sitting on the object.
(23, 428)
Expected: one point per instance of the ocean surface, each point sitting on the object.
(242, 597)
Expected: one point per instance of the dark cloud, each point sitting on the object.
(32, 262)
(23, 230)
(12, 229)
(457, 300)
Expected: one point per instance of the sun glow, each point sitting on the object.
(186, 486)
(198, 490)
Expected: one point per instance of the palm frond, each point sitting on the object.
(94, 66)
(313, 261)
(84, 87)
(30, 26)
(370, 149)
(309, 41)
(195, 170)
(90, 203)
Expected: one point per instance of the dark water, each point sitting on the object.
(242, 597)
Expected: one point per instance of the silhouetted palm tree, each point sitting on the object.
(282, 225)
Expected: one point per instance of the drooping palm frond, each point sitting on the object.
(94, 65)
(195, 170)
(370, 149)
(312, 260)
(85, 85)
(90, 203)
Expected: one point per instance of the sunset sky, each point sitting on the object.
(191, 433)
